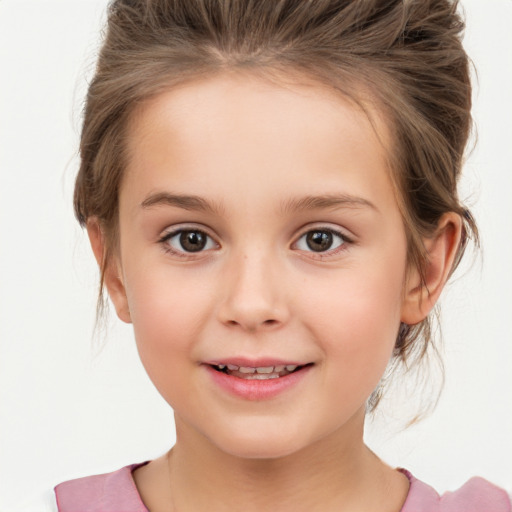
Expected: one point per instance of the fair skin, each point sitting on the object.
(277, 169)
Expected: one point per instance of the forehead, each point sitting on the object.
(246, 128)
(240, 98)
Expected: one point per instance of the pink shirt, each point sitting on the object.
(116, 492)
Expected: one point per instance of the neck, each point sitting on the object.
(337, 472)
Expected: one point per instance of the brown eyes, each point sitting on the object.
(320, 241)
(193, 241)
(188, 241)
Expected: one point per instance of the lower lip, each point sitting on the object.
(254, 389)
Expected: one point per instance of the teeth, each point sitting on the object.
(246, 369)
(257, 376)
(265, 369)
(260, 370)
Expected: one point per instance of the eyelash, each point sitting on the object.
(343, 246)
(164, 241)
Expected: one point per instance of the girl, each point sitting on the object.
(269, 189)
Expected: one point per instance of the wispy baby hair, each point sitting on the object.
(406, 55)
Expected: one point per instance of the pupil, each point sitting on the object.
(192, 241)
(319, 240)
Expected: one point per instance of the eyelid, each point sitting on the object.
(347, 240)
(319, 226)
(173, 231)
(186, 226)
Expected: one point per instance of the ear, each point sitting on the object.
(112, 270)
(420, 298)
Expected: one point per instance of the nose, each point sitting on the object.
(253, 294)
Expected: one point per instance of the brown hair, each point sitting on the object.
(407, 53)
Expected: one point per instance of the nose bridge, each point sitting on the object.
(254, 295)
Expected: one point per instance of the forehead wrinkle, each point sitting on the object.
(185, 202)
(327, 201)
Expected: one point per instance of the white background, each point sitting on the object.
(67, 411)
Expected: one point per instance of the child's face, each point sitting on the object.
(260, 178)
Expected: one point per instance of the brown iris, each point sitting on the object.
(319, 241)
(193, 241)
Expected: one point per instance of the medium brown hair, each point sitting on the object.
(406, 53)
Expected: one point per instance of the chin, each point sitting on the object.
(259, 451)
(261, 443)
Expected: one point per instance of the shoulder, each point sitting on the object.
(476, 495)
(109, 492)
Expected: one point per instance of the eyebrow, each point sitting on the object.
(196, 203)
(186, 202)
(327, 201)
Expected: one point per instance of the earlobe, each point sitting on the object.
(420, 297)
(111, 270)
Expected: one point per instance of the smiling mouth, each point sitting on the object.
(259, 372)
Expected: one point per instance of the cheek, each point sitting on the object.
(164, 301)
(357, 325)
(168, 314)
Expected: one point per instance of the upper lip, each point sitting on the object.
(260, 362)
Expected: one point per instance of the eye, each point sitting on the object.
(320, 240)
(187, 241)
